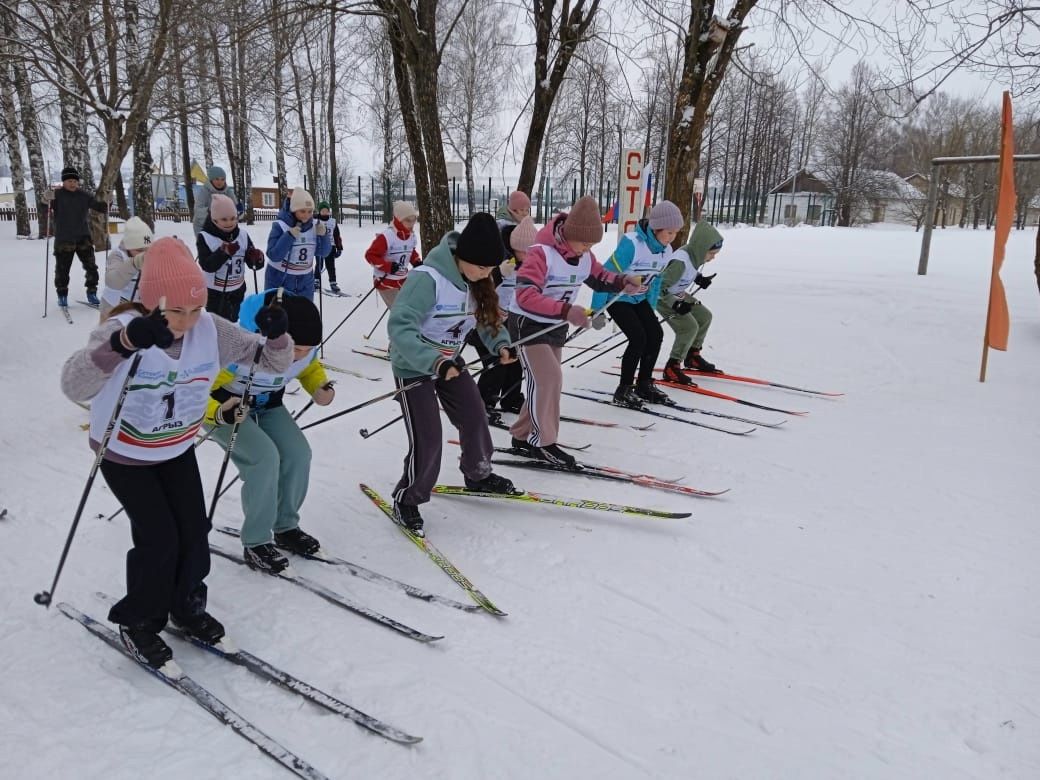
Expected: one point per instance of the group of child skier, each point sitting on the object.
(181, 349)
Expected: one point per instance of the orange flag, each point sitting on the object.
(997, 324)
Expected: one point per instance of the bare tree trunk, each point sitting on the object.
(305, 137)
(334, 194)
(566, 33)
(182, 118)
(224, 90)
(122, 207)
(144, 193)
(707, 54)
(1036, 260)
(30, 124)
(14, 148)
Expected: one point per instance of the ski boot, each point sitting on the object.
(697, 363)
(521, 447)
(334, 287)
(493, 483)
(494, 417)
(297, 541)
(202, 627)
(407, 516)
(673, 373)
(265, 558)
(63, 301)
(625, 396)
(554, 454)
(145, 645)
(92, 298)
(651, 394)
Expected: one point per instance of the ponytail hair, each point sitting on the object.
(126, 306)
(488, 313)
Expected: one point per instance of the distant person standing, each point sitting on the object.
(517, 206)
(393, 253)
(71, 228)
(217, 184)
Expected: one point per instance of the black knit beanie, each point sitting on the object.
(68, 172)
(304, 319)
(480, 242)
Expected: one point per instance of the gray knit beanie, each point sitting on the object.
(666, 216)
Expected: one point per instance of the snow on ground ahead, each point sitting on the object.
(862, 604)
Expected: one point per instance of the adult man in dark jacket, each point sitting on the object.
(71, 229)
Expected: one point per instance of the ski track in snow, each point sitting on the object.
(860, 605)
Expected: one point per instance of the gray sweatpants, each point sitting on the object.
(422, 420)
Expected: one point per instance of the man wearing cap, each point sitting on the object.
(392, 254)
(217, 184)
(71, 229)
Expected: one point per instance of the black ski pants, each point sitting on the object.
(63, 254)
(639, 323)
(166, 567)
(497, 382)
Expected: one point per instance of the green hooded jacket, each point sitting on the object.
(704, 236)
(410, 355)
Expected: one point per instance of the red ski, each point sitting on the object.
(754, 381)
(713, 394)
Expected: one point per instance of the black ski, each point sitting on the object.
(695, 410)
(65, 312)
(173, 675)
(374, 576)
(338, 599)
(435, 555)
(351, 371)
(662, 415)
(88, 303)
(385, 357)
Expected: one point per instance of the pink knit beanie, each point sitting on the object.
(523, 235)
(172, 273)
(222, 207)
(583, 223)
(518, 200)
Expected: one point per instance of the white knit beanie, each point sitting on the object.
(136, 234)
(300, 199)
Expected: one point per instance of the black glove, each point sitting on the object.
(145, 332)
(704, 282)
(272, 321)
(682, 307)
(448, 363)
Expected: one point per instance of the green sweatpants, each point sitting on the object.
(274, 460)
(690, 329)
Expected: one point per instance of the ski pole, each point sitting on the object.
(231, 484)
(369, 334)
(599, 343)
(243, 407)
(47, 261)
(43, 598)
(369, 402)
(321, 316)
(356, 307)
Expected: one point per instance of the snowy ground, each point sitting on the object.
(862, 604)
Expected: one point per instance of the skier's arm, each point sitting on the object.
(87, 370)
(375, 255)
(239, 346)
(418, 295)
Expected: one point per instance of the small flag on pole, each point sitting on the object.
(997, 321)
